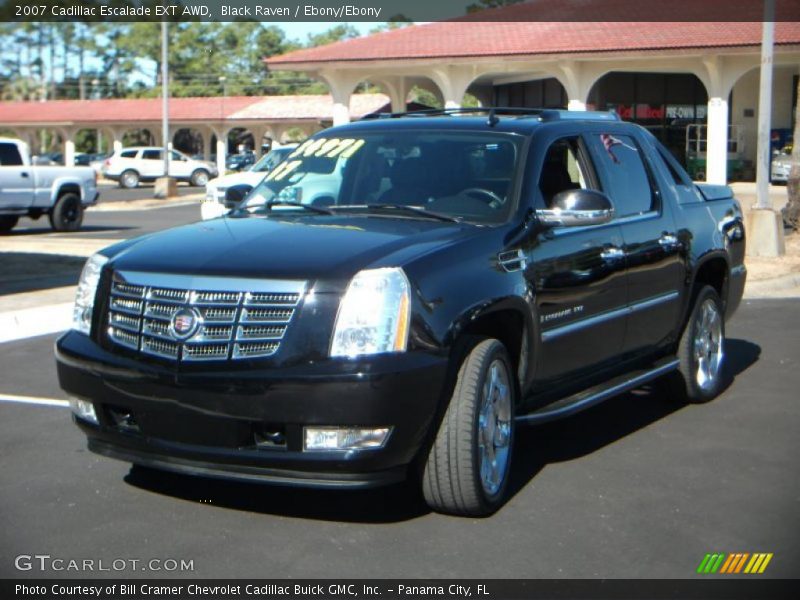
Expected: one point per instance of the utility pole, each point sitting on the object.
(165, 186)
(165, 97)
(764, 224)
(763, 151)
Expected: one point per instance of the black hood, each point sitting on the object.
(287, 247)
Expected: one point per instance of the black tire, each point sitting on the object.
(691, 383)
(452, 481)
(129, 179)
(199, 177)
(67, 214)
(7, 223)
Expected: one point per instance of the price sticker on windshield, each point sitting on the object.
(328, 148)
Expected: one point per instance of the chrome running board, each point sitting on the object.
(594, 395)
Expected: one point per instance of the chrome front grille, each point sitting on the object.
(231, 318)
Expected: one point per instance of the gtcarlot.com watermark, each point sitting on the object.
(48, 563)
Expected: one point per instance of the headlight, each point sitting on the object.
(373, 315)
(84, 297)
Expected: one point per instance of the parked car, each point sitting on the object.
(51, 159)
(781, 166)
(214, 204)
(237, 162)
(61, 193)
(133, 165)
(466, 275)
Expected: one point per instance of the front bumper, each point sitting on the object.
(210, 423)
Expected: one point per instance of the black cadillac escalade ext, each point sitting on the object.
(453, 276)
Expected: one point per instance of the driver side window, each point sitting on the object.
(566, 166)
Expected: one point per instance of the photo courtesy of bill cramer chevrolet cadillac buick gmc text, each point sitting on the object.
(465, 272)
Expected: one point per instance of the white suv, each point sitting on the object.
(129, 166)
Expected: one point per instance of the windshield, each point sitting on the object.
(270, 159)
(464, 175)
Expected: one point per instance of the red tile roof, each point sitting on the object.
(468, 38)
(184, 109)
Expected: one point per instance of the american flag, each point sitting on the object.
(609, 141)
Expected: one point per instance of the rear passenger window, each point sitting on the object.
(128, 154)
(10, 156)
(565, 167)
(151, 155)
(628, 181)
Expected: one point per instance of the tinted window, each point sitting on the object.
(151, 155)
(461, 174)
(566, 167)
(128, 153)
(9, 155)
(628, 181)
(176, 156)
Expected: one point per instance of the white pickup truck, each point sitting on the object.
(62, 193)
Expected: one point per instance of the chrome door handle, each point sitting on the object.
(667, 240)
(611, 253)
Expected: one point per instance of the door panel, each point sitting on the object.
(16, 187)
(655, 270)
(579, 277)
(651, 245)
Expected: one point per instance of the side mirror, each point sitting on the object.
(235, 194)
(577, 208)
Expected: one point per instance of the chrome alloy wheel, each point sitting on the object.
(708, 352)
(494, 428)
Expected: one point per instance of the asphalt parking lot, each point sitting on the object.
(637, 487)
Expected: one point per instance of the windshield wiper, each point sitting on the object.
(416, 210)
(267, 206)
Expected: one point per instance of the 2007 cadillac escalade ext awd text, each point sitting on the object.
(464, 274)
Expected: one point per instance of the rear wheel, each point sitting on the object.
(8, 222)
(67, 214)
(701, 351)
(199, 178)
(129, 179)
(466, 472)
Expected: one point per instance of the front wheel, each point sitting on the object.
(466, 472)
(67, 214)
(701, 350)
(199, 178)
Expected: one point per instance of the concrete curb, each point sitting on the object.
(774, 286)
(146, 204)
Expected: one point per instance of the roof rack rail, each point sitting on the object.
(544, 114)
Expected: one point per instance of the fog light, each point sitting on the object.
(344, 438)
(83, 409)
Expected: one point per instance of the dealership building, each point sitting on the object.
(693, 84)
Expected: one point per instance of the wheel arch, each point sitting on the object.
(509, 320)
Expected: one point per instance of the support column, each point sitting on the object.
(397, 88)
(206, 135)
(69, 147)
(576, 104)
(341, 86)
(116, 135)
(222, 148)
(717, 141)
(453, 83)
(577, 80)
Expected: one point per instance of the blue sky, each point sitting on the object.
(301, 31)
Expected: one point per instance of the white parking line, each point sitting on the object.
(31, 322)
(35, 400)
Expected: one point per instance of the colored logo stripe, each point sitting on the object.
(734, 563)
